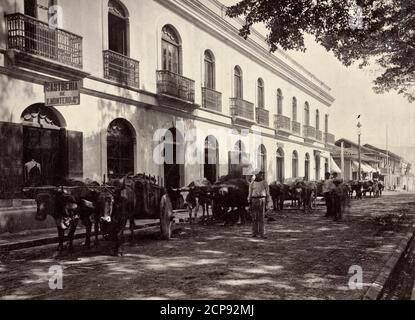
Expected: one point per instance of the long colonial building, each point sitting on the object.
(142, 66)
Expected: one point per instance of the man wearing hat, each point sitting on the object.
(258, 199)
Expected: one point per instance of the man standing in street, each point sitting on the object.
(258, 199)
(328, 189)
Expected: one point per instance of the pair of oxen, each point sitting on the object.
(108, 207)
(227, 199)
(360, 189)
(303, 194)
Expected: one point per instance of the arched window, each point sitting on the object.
(171, 50)
(120, 148)
(294, 109)
(262, 158)
(210, 82)
(238, 82)
(326, 124)
(280, 99)
(280, 165)
(307, 167)
(261, 96)
(317, 120)
(295, 164)
(117, 27)
(211, 166)
(307, 114)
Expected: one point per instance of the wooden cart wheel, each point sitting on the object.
(166, 211)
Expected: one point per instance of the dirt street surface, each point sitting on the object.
(304, 257)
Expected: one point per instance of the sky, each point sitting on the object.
(352, 88)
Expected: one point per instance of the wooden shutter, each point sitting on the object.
(74, 141)
(11, 159)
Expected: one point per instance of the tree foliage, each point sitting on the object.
(359, 31)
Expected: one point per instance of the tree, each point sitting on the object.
(362, 31)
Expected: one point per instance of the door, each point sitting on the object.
(43, 146)
(11, 158)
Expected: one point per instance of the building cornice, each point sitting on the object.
(220, 28)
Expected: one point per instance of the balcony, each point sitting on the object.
(242, 112)
(121, 69)
(309, 132)
(211, 99)
(262, 117)
(296, 127)
(319, 135)
(175, 91)
(282, 123)
(37, 46)
(330, 139)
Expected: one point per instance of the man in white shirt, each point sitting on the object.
(258, 199)
(328, 188)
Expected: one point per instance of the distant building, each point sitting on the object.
(376, 163)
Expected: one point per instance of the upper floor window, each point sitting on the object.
(261, 97)
(307, 114)
(295, 109)
(317, 120)
(279, 101)
(39, 9)
(238, 82)
(117, 27)
(209, 70)
(171, 50)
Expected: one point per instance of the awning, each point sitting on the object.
(365, 167)
(334, 167)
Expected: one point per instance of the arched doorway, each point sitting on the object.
(307, 167)
(44, 146)
(174, 158)
(262, 159)
(280, 165)
(238, 159)
(326, 166)
(120, 148)
(211, 159)
(318, 164)
(295, 164)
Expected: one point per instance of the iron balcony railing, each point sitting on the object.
(282, 123)
(319, 135)
(330, 138)
(262, 116)
(211, 99)
(296, 127)
(309, 132)
(175, 85)
(242, 108)
(33, 36)
(121, 69)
